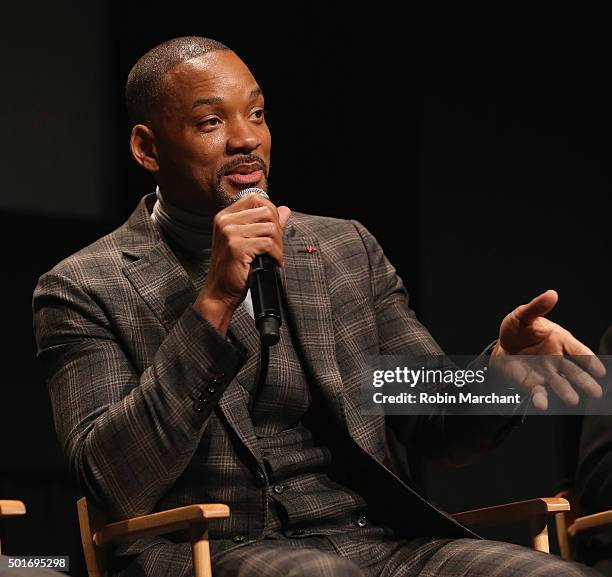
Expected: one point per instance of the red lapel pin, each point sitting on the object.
(310, 249)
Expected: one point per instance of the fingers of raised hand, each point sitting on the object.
(577, 375)
(539, 397)
(537, 307)
(584, 356)
(562, 374)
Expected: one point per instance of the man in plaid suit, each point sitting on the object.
(149, 350)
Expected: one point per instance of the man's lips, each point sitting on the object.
(245, 174)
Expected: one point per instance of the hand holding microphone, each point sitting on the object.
(242, 232)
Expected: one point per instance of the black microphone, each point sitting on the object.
(264, 289)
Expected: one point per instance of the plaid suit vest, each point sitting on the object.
(301, 495)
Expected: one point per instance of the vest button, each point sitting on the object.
(362, 521)
(260, 478)
(238, 538)
(217, 378)
(198, 406)
(278, 489)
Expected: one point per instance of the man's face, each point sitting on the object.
(211, 135)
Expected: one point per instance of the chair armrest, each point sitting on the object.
(590, 522)
(159, 523)
(11, 508)
(511, 512)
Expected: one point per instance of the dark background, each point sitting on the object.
(474, 143)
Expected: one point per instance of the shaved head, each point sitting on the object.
(144, 87)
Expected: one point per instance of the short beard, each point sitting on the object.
(222, 197)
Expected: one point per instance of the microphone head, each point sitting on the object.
(251, 190)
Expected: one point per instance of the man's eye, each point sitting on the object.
(260, 113)
(209, 122)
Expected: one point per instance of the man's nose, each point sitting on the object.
(243, 138)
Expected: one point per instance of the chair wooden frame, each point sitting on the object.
(569, 526)
(534, 512)
(96, 535)
(11, 509)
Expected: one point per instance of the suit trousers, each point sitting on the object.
(368, 552)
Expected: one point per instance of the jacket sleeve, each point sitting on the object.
(127, 437)
(457, 440)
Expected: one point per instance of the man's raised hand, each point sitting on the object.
(249, 227)
(525, 331)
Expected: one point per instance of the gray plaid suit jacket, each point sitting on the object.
(129, 362)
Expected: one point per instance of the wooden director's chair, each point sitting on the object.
(569, 526)
(97, 535)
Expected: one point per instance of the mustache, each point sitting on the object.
(246, 159)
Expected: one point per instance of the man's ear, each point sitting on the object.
(144, 150)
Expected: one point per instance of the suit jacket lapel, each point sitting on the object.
(165, 286)
(308, 300)
(305, 289)
(235, 400)
(242, 327)
(163, 283)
